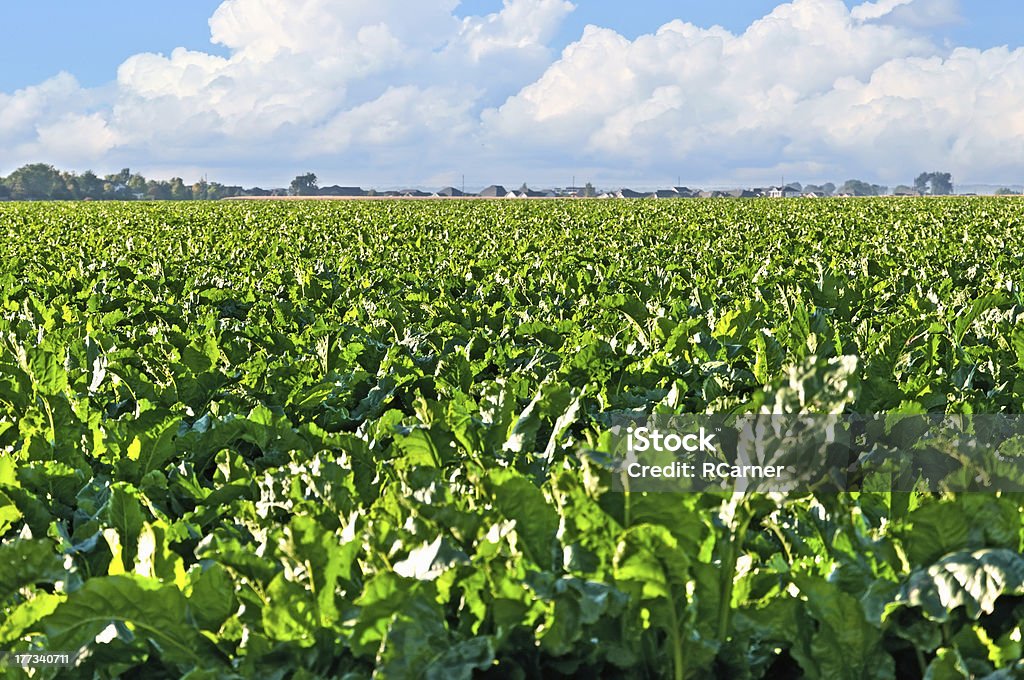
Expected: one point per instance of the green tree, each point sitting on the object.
(827, 188)
(71, 185)
(942, 183)
(36, 182)
(90, 186)
(120, 177)
(304, 185)
(935, 183)
(137, 184)
(179, 192)
(158, 191)
(216, 191)
(858, 187)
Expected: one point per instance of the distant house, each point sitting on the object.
(494, 191)
(686, 192)
(664, 193)
(340, 191)
(782, 192)
(413, 193)
(529, 193)
(624, 193)
(814, 194)
(450, 192)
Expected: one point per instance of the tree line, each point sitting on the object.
(42, 182)
(927, 183)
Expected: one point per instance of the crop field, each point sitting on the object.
(352, 439)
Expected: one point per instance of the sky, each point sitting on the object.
(392, 93)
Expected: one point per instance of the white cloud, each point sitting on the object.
(54, 122)
(320, 77)
(809, 88)
(77, 138)
(520, 25)
(21, 111)
(373, 90)
(919, 13)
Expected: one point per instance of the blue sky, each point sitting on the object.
(389, 92)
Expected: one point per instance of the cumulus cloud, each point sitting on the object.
(382, 89)
(812, 87)
(315, 77)
(55, 121)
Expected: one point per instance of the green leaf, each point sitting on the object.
(123, 512)
(48, 375)
(972, 580)
(935, 530)
(845, 646)
(9, 513)
(28, 562)
(517, 498)
(155, 613)
(213, 600)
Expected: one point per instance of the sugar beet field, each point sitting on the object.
(343, 440)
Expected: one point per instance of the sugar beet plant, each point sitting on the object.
(314, 440)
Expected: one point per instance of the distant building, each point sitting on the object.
(340, 191)
(782, 192)
(664, 193)
(530, 193)
(494, 191)
(450, 192)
